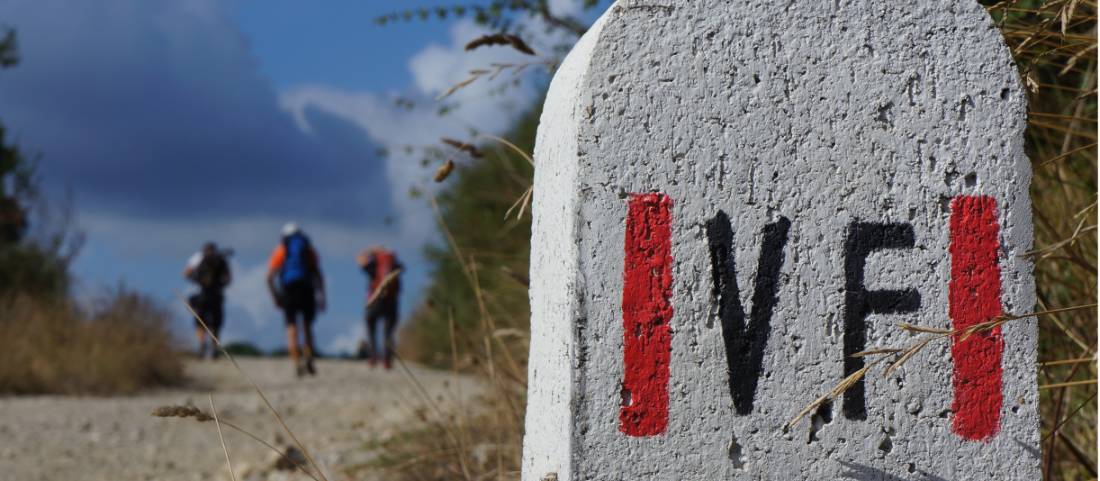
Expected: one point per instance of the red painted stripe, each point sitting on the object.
(647, 310)
(975, 297)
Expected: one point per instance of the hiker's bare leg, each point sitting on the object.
(292, 342)
(201, 334)
(307, 332)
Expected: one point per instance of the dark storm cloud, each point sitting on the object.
(157, 109)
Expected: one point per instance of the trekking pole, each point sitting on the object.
(386, 281)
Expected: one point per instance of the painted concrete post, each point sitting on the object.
(733, 197)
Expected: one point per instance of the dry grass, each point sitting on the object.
(221, 439)
(495, 70)
(1054, 43)
(120, 347)
(196, 414)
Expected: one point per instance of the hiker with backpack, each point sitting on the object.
(384, 270)
(209, 269)
(294, 278)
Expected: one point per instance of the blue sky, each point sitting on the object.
(173, 123)
(339, 44)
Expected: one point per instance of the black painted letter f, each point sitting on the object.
(745, 343)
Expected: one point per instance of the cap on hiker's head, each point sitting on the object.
(290, 229)
(210, 246)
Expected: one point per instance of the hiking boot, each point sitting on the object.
(309, 367)
(299, 370)
(388, 364)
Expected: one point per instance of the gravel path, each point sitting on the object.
(335, 414)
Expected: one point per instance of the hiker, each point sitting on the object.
(209, 269)
(294, 278)
(379, 264)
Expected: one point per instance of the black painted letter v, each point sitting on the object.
(745, 342)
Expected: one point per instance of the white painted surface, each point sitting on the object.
(554, 302)
(820, 112)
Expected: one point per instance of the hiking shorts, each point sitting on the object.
(298, 299)
(210, 305)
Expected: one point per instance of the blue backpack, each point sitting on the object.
(296, 265)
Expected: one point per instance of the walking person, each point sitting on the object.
(297, 287)
(208, 269)
(379, 264)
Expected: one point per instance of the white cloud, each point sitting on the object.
(488, 105)
(249, 292)
(348, 341)
(571, 8)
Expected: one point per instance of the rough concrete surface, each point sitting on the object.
(337, 415)
(884, 141)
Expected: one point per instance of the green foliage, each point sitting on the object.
(243, 349)
(494, 253)
(9, 55)
(33, 269)
(35, 266)
(16, 174)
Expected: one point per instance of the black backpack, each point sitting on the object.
(211, 272)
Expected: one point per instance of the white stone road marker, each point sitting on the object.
(732, 197)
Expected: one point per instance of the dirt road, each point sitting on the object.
(337, 415)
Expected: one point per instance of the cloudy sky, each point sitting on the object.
(176, 122)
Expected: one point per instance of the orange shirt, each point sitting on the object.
(278, 256)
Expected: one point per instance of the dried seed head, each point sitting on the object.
(501, 39)
(444, 170)
(181, 412)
